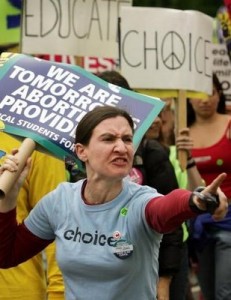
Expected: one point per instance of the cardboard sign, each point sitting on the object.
(83, 28)
(169, 49)
(222, 68)
(45, 101)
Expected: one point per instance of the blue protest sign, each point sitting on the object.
(44, 101)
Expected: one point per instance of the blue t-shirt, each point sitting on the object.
(105, 252)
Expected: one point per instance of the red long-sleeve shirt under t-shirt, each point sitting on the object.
(19, 244)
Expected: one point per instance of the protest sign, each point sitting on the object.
(172, 48)
(44, 101)
(222, 68)
(83, 28)
(172, 52)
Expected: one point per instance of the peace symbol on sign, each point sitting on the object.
(173, 50)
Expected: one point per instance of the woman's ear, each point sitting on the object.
(80, 152)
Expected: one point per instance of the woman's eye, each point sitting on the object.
(128, 139)
(108, 139)
(125, 139)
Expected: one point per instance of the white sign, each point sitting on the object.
(222, 68)
(83, 28)
(169, 49)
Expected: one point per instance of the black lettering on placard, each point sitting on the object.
(226, 85)
(221, 51)
(221, 61)
(27, 16)
(95, 11)
(154, 48)
(65, 18)
(124, 42)
(222, 68)
(171, 51)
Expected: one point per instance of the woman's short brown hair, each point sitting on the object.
(93, 118)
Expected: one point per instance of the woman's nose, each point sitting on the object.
(120, 145)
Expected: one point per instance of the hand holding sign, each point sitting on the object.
(8, 178)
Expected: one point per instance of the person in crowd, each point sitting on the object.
(114, 77)
(152, 159)
(188, 179)
(107, 229)
(210, 129)
(30, 280)
(168, 121)
(156, 165)
(152, 166)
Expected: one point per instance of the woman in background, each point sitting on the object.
(210, 129)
